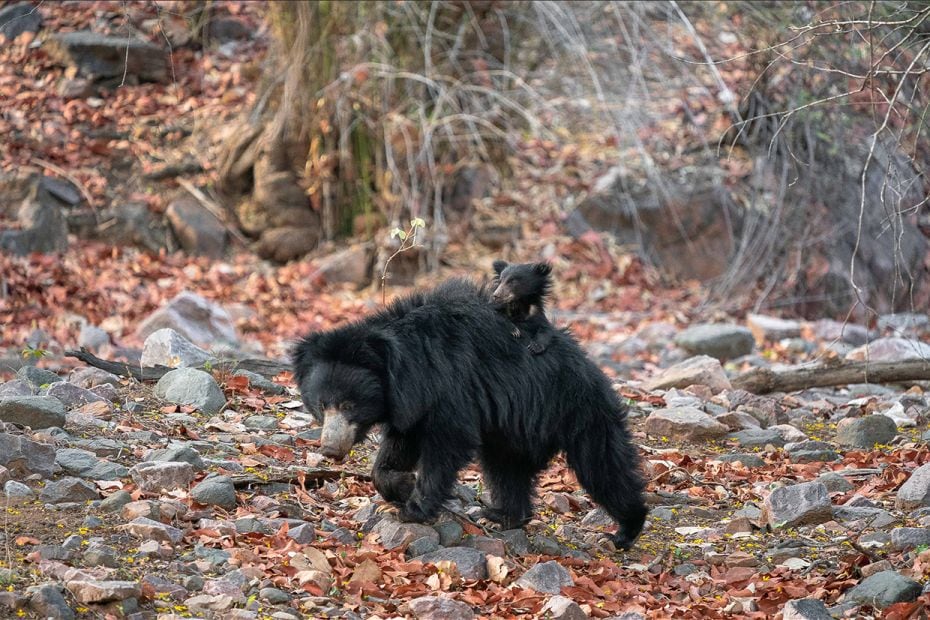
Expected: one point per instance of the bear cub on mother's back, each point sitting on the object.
(441, 374)
(520, 294)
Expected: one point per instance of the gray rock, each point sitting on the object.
(90, 377)
(915, 492)
(544, 545)
(835, 483)
(98, 56)
(440, 608)
(47, 600)
(16, 388)
(189, 386)
(24, 457)
(149, 529)
(685, 423)
(450, 533)
(814, 456)
(471, 563)
(516, 541)
(547, 577)
(215, 491)
(748, 460)
(200, 321)
(261, 422)
(866, 431)
(71, 395)
(115, 501)
(259, 382)
(805, 609)
(38, 377)
(883, 589)
(891, 350)
(757, 438)
(33, 411)
(68, 490)
(198, 231)
(92, 338)
(798, 504)
(563, 608)
(101, 555)
(91, 591)
(717, 340)
(16, 19)
(421, 546)
(155, 477)
(274, 596)
(737, 420)
(103, 446)
(395, 535)
(17, 490)
(86, 465)
(177, 453)
(904, 538)
(872, 517)
(699, 370)
(166, 347)
(772, 328)
(905, 323)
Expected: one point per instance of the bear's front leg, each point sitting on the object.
(392, 473)
(440, 462)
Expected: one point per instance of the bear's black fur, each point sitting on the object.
(520, 294)
(441, 374)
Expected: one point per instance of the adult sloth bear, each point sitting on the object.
(442, 375)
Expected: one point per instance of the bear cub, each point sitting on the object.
(520, 294)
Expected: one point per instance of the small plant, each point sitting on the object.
(35, 353)
(408, 240)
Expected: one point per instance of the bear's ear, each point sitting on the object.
(499, 266)
(302, 356)
(543, 269)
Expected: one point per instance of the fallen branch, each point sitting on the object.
(294, 476)
(265, 367)
(764, 380)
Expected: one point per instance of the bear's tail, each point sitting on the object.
(607, 464)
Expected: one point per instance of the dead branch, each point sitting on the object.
(265, 367)
(765, 380)
(293, 476)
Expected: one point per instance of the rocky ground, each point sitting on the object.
(204, 494)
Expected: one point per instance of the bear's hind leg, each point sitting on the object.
(511, 483)
(392, 473)
(440, 462)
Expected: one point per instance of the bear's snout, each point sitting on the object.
(338, 434)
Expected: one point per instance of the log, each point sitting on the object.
(265, 367)
(765, 380)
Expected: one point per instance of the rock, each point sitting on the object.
(193, 317)
(33, 411)
(897, 415)
(38, 377)
(68, 490)
(149, 529)
(14, 490)
(834, 482)
(835, 331)
(261, 383)
(197, 230)
(905, 323)
(286, 243)
(562, 608)
(261, 422)
(440, 608)
(71, 395)
(685, 423)
(798, 504)
(737, 420)
(421, 546)
(757, 438)
(698, 370)
(450, 533)
(16, 388)
(866, 431)
(905, 538)
(166, 347)
(42, 225)
(821, 455)
(47, 600)
(23, 457)
(547, 577)
(86, 465)
(395, 535)
(516, 541)
(215, 491)
(103, 591)
(717, 340)
(90, 377)
(788, 433)
(115, 501)
(16, 19)
(471, 563)
(274, 596)
(101, 555)
(805, 609)
(189, 386)
(884, 589)
(225, 29)
(155, 477)
(770, 328)
(352, 265)
(748, 460)
(177, 453)
(872, 517)
(891, 350)
(98, 57)
(914, 493)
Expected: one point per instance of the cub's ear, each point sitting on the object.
(543, 269)
(499, 266)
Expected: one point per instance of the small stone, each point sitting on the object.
(193, 317)
(115, 501)
(33, 411)
(23, 457)
(772, 328)
(686, 423)
(421, 546)
(101, 555)
(177, 453)
(155, 477)
(835, 483)
(891, 350)
(830, 330)
(16, 388)
(757, 438)
(215, 491)
(906, 538)
(38, 377)
(798, 504)
(90, 377)
(86, 465)
(440, 608)
(450, 533)
(103, 591)
(471, 563)
(805, 609)
(915, 492)
(548, 577)
(48, 602)
(14, 490)
(189, 386)
(699, 370)
(875, 567)
(866, 431)
(544, 545)
(516, 542)
(717, 340)
(261, 422)
(166, 347)
(148, 529)
(71, 395)
(395, 535)
(883, 589)
(68, 490)
(749, 461)
(274, 596)
(261, 383)
(563, 608)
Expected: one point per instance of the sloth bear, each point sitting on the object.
(520, 294)
(441, 374)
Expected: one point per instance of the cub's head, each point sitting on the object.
(526, 282)
(342, 376)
